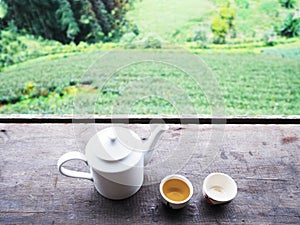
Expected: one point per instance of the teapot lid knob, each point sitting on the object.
(106, 146)
(112, 137)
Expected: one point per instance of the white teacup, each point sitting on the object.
(219, 188)
(176, 191)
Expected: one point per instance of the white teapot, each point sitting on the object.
(116, 157)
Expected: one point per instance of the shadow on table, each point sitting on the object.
(146, 207)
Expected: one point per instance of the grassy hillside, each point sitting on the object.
(166, 17)
(175, 20)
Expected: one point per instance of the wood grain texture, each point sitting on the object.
(263, 159)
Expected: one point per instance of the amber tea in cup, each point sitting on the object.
(176, 191)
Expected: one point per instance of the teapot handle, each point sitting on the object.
(71, 173)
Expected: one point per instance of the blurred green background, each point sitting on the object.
(50, 51)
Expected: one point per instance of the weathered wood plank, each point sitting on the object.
(146, 119)
(264, 160)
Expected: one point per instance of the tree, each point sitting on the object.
(289, 4)
(69, 20)
(222, 24)
(291, 25)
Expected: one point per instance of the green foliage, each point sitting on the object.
(219, 28)
(16, 48)
(3, 9)
(200, 36)
(11, 48)
(29, 87)
(291, 25)
(289, 4)
(70, 21)
(65, 16)
(245, 46)
(152, 41)
(270, 38)
(222, 24)
(227, 13)
(128, 40)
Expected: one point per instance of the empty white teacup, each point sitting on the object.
(219, 188)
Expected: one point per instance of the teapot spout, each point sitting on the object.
(150, 142)
(156, 131)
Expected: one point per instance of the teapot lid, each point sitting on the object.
(106, 153)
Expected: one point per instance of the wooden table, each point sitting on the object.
(263, 159)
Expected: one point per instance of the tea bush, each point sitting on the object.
(251, 84)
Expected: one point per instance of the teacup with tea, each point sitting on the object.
(176, 190)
